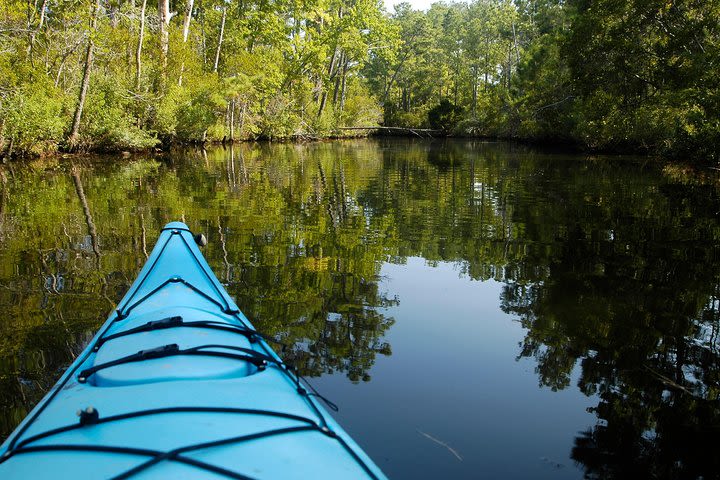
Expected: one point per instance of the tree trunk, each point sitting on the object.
(203, 40)
(2, 136)
(186, 21)
(232, 121)
(164, 18)
(113, 10)
(323, 95)
(389, 84)
(487, 63)
(220, 40)
(474, 91)
(64, 58)
(330, 73)
(242, 118)
(455, 86)
(138, 52)
(227, 123)
(336, 91)
(186, 32)
(323, 101)
(89, 55)
(509, 68)
(343, 84)
(39, 27)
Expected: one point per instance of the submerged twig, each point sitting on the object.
(440, 442)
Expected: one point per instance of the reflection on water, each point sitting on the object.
(609, 265)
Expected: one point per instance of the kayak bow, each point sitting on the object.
(178, 384)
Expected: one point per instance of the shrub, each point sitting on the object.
(278, 119)
(187, 112)
(361, 108)
(32, 119)
(445, 115)
(107, 123)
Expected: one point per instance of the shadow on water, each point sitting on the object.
(607, 263)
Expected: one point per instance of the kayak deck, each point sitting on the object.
(178, 383)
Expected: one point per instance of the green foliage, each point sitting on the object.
(32, 120)
(199, 111)
(187, 113)
(361, 108)
(636, 75)
(545, 98)
(108, 124)
(488, 119)
(278, 119)
(444, 116)
(244, 69)
(326, 122)
(620, 76)
(395, 115)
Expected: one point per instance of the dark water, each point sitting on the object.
(477, 310)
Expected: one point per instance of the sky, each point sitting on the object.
(416, 4)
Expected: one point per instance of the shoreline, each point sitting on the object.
(543, 144)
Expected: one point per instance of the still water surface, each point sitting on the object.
(477, 310)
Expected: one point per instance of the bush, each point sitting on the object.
(32, 119)
(278, 119)
(361, 108)
(107, 123)
(445, 115)
(327, 122)
(487, 120)
(187, 112)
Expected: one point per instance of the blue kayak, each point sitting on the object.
(177, 384)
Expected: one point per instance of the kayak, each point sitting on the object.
(178, 384)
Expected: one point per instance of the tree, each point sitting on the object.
(138, 50)
(89, 58)
(164, 21)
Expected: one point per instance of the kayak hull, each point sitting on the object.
(178, 384)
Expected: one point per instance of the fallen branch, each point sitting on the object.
(406, 129)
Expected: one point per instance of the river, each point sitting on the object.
(476, 309)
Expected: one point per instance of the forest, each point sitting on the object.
(117, 75)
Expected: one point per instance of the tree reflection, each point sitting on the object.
(610, 267)
(287, 238)
(631, 293)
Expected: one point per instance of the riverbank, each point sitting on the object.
(554, 144)
(48, 150)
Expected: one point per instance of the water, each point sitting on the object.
(477, 310)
